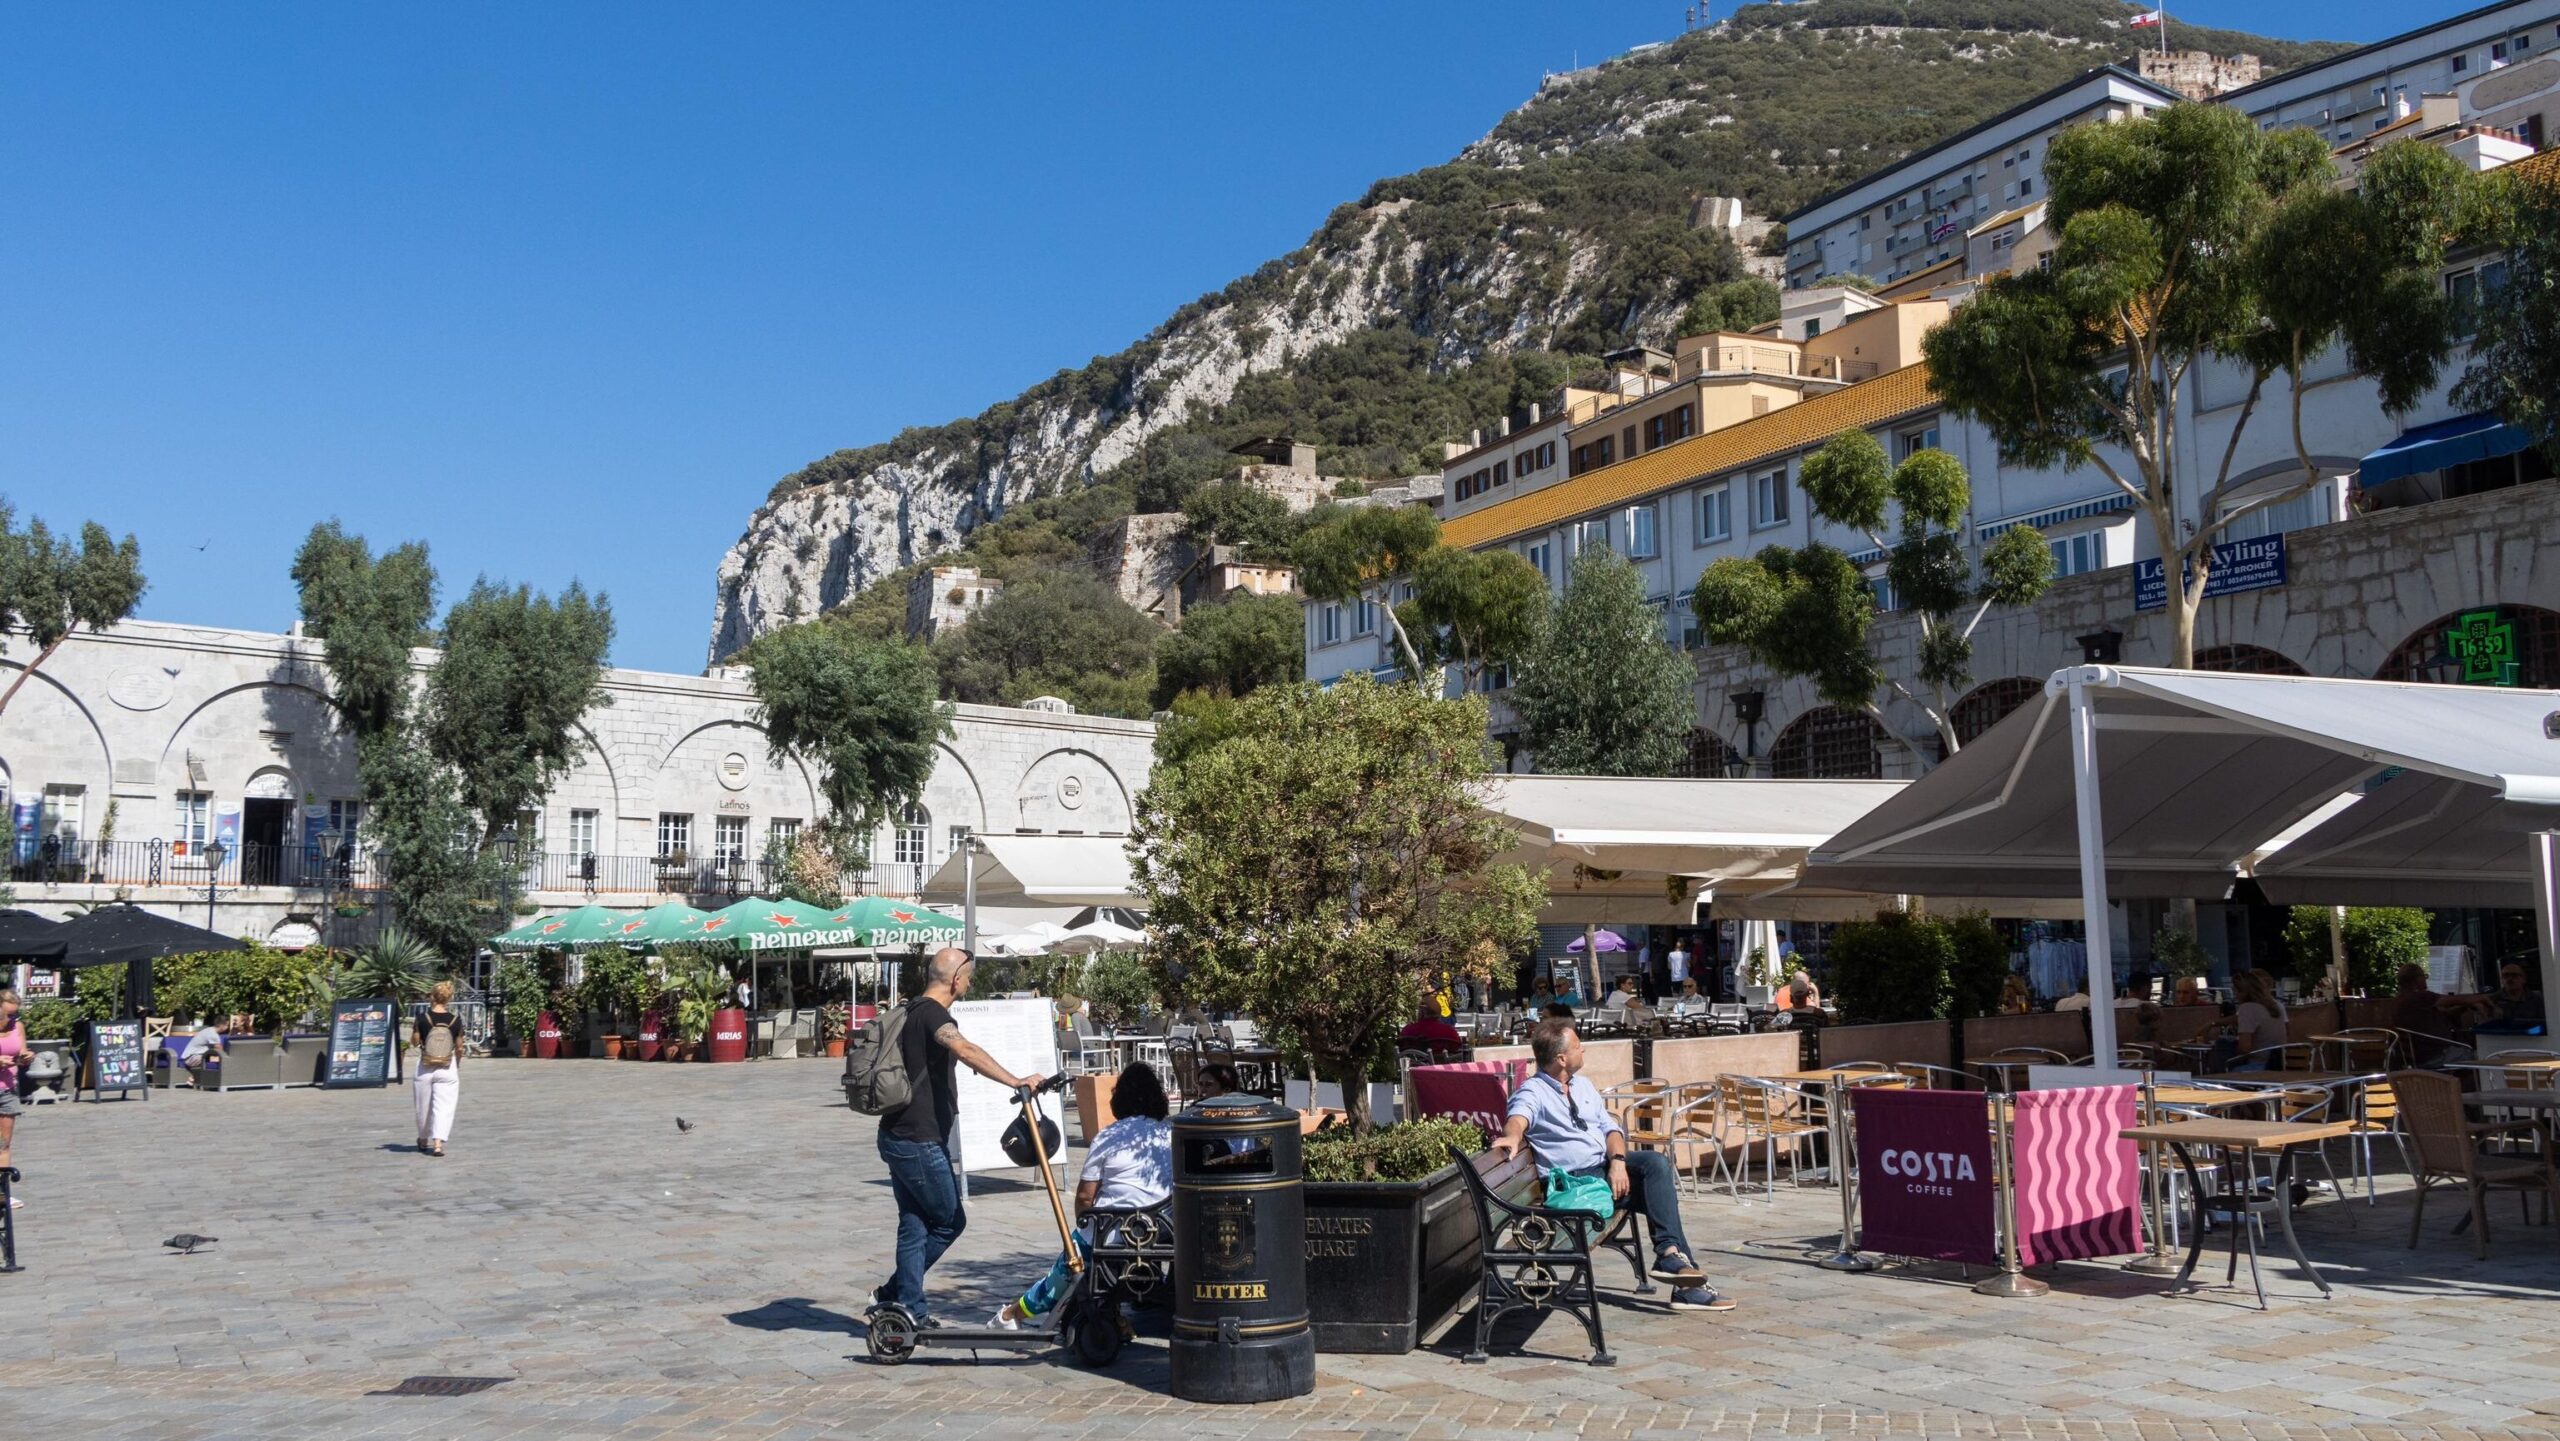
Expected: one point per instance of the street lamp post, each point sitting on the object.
(214, 855)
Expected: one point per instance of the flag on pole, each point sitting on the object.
(2147, 17)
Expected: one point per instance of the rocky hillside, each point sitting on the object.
(1565, 232)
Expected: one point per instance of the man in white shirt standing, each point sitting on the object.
(1678, 960)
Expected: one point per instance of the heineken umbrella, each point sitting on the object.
(668, 923)
(758, 924)
(553, 932)
(877, 922)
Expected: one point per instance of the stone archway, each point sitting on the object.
(2517, 645)
(2248, 660)
(1829, 743)
(1990, 703)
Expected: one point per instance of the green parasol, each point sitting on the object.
(667, 923)
(553, 932)
(786, 925)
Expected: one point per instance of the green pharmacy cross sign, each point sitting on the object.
(2485, 646)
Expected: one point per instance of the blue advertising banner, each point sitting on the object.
(2238, 565)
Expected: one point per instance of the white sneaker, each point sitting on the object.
(15, 1203)
(1006, 1318)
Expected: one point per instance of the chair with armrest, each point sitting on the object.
(2448, 1150)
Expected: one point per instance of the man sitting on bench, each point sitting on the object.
(1562, 1119)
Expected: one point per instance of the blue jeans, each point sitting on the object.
(930, 1216)
(1653, 1188)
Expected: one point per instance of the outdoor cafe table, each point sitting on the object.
(2247, 1139)
(2285, 1078)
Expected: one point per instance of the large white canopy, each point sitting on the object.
(1718, 830)
(2174, 783)
(2201, 775)
(1037, 870)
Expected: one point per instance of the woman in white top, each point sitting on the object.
(2258, 1023)
(1127, 1168)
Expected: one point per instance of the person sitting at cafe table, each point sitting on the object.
(1690, 997)
(2514, 1003)
(2190, 992)
(2258, 1021)
(1431, 1031)
(2016, 997)
(1798, 994)
(1563, 1121)
(1622, 997)
(1540, 994)
(2422, 1015)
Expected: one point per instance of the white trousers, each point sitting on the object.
(437, 1090)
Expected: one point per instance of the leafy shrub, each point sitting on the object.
(1980, 968)
(1893, 968)
(520, 997)
(50, 1019)
(1407, 1151)
(275, 989)
(97, 992)
(2380, 940)
(2176, 952)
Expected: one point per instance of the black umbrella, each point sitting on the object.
(26, 936)
(1116, 915)
(127, 935)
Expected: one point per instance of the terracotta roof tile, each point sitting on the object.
(1780, 432)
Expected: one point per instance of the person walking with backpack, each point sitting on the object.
(438, 1084)
(919, 1104)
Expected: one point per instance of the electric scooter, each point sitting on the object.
(1092, 1333)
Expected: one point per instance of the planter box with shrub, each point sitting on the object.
(1391, 1238)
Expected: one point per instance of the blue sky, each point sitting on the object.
(562, 289)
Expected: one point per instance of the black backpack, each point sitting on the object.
(875, 1066)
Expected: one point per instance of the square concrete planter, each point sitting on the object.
(1388, 1262)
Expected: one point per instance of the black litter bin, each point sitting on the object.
(1240, 1329)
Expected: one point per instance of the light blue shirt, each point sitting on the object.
(1566, 1128)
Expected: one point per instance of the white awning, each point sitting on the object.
(1037, 870)
(2129, 782)
(2201, 773)
(1711, 829)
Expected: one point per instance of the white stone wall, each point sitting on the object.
(137, 715)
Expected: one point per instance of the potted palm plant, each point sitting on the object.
(833, 1023)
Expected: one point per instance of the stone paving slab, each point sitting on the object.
(629, 1280)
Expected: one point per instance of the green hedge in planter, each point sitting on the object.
(1408, 1151)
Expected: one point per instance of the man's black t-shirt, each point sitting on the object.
(934, 1100)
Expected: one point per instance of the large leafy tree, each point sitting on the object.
(518, 673)
(1807, 612)
(1230, 512)
(1744, 304)
(2183, 237)
(51, 587)
(1061, 633)
(367, 613)
(2515, 355)
(1232, 647)
(1604, 693)
(1345, 551)
(1317, 864)
(862, 712)
(1475, 608)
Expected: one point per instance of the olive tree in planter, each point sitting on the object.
(1318, 865)
(1315, 867)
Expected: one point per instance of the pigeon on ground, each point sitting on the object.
(185, 1242)
(683, 1125)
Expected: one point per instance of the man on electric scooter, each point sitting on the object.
(915, 1140)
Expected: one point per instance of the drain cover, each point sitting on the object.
(444, 1386)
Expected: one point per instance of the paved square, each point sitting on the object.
(629, 1280)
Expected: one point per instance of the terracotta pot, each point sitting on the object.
(613, 1048)
(835, 1048)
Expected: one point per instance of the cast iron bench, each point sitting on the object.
(1536, 1258)
(1131, 1260)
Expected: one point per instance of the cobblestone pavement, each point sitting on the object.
(629, 1280)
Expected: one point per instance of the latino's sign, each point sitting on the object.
(2238, 565)
(1924, 1175)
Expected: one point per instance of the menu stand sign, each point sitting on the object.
(359, 1044)
(115, 1060)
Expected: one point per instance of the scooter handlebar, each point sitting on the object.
(1022, 1094)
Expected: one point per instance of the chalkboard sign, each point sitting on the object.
(115, 1059)
(359, 1044)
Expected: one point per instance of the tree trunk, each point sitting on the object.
(1354, 1080)
(42, 656)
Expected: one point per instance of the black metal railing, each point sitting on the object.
(55, 861)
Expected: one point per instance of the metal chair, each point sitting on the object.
(1764, 1113)
(1089, 1043)
(1943, 1078)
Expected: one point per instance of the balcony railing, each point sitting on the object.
(53, 861)
(715, 877)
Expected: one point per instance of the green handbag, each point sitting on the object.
(1569, 1192)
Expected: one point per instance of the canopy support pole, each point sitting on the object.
(2546, 909)
(2093, 876)
(969, 895)
(1591, 958)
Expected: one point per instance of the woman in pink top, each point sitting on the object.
(13, 1051)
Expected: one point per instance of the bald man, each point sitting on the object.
(915, 1140)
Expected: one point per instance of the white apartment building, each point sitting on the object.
(2500, 62)
(1915, 213)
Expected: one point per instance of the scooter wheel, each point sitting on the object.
(893, 1336)
(1095, 1338)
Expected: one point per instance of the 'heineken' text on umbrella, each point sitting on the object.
(868, 922)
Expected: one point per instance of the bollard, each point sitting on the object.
(1241, 1330)
(8, 1222)
(2013, 1279)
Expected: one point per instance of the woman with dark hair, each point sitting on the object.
(1128, 1167)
